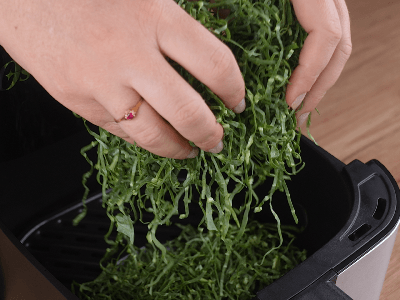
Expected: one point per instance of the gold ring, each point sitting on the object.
(130, 114)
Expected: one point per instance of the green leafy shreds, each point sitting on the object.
(15, 75)
(200, 267)
(259, 143)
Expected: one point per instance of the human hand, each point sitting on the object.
(99, 58)
(324, 54)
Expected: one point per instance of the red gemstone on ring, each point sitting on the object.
(130, 114)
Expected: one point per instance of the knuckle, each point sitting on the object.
(113, 128)
(150, 137)
(210, 141)
(334, 33)
(189, 114)
(222, 61)
(346, 48)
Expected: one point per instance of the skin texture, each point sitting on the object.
(324, 55)
(99, 57)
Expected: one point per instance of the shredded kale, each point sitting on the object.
(218, 259)
(13, 76)
(200, 267)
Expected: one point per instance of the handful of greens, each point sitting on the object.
(217, 260)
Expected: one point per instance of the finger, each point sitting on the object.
(321, 21)
(190, 44)
(95, 113)
(147, 128)
(177, 102)
(335, 66)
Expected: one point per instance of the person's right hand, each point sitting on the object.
(99, 58)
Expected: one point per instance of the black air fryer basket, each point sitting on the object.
(350, 212)
(347, 211)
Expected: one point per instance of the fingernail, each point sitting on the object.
(302, 118)
(193, 153)
(298, 101)
(240, 107)
(217, 148)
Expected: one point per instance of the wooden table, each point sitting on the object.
(360, 115)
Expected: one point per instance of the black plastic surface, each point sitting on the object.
(30, 118)
(41, 171)
(40, 162)
(42, 182)
(334, 195)
(326, 196)
(325, 207)
(369, 183)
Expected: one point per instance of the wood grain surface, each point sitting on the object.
(360, 116)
